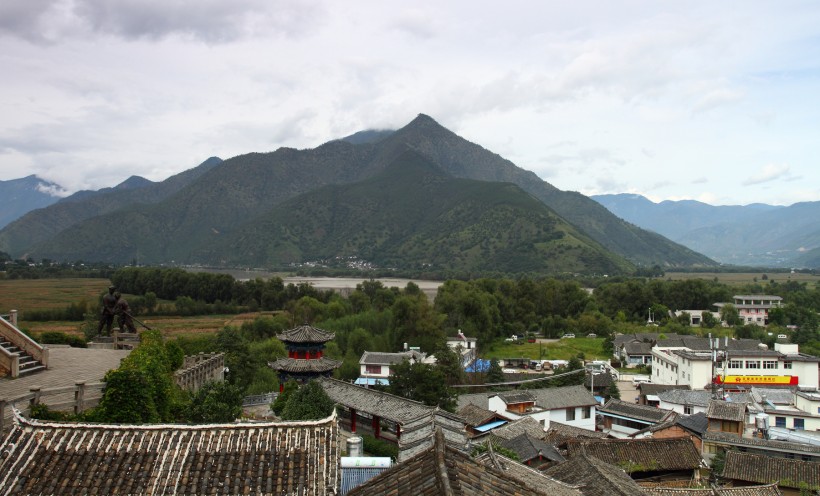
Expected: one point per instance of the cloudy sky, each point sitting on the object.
(714, 101)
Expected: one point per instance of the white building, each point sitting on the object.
(571, 405)
(754, 309)
(735, 367)
(465, 346)
(374, 366)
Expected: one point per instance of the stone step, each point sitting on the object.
(31, 370)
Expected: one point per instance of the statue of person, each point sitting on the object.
(107, 313)
(123, 311)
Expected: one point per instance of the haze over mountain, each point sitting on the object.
(756, 234)
(213, 209)
(40, 225)
(20, 196)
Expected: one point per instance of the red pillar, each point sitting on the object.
(281, 387)
(398, 432)
(376, 426)
(353, 420)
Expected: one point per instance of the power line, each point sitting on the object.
(515, 383)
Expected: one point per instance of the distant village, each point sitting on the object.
(714, 416)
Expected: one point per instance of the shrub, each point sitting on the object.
(378, 447)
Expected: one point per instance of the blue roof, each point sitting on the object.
(372, 381)
(479, 365)
(491, 425)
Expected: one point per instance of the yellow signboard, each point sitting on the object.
(777, 380)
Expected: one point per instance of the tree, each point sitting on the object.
(422, 382)
(216, 402)
(278, 405)
(729, 314)
(613, 391)
(494, 374)
(448, 360)
(708, 320)
(309, 402)
(127, 398)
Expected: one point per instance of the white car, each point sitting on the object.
(568, 336)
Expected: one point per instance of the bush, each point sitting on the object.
(378, 447)
(54, 337)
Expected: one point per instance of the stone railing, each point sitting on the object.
(198, 369)
(9, 332)
(77, 398)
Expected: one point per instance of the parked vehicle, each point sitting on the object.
(511, 339)
(568, 336)
(638, 379)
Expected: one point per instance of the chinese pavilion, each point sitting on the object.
(305, 360)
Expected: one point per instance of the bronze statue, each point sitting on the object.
(109, 301)
(124, 318)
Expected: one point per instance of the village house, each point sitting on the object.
(648, 393)
(443, 469)
(793, 477)
(635, 349)
(465, 346)
(648, 459)
(622, 419)
(374, 366)
(595, 477)
(754, 309)
(480, 421)
(266, 458)
(688, 426)
(572, 405)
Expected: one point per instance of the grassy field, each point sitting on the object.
(43, 294)
(592, 348)
(746, 277)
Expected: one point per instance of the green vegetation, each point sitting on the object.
(379, 447)
(590, 348)
(309, 402)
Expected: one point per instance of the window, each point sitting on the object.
(373, 369)
(787, 365)
(799, 424)
(769, 364)
(735, 364)
(586, 413)
(570, 413)
(780, 421)
(687, 410)
(752, 364)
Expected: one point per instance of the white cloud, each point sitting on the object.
(767, 173)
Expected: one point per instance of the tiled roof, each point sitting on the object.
(766, 490)
(524, 425)
(528, 447)
(702, 344)
(778, 396)
(595, 477)
(513, 397)
(726, 410)
(641, 455)
(638, 412)
(559, 433)
(481, 400)
(306, 334)
(649, 388)
(696, 423)
(602, 379)
(562, 397)
(725, 438)
(444, 470)
(638, 348)
(261, 458)
(767, 469)
(641, 336)
(475, 415)
(699, 397)
(530, 477)
(388, 406)
(297, 365)
(380, 358)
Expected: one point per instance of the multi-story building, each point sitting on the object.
(754, 309)
(736, 368)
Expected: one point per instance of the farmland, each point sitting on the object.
(564, 349)
(741, 278)
(47, 294)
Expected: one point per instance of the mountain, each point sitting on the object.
(20, 196)
(40, 225)
(414, 215)
(213, 208)
(756, 234)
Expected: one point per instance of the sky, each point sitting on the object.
(711, 101)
